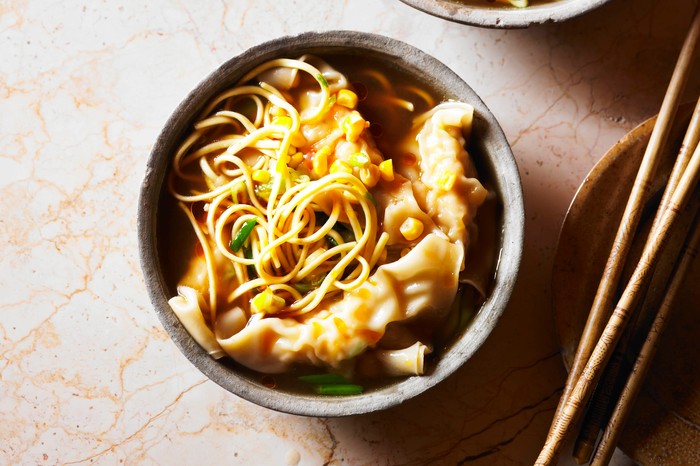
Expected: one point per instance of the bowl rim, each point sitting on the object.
(508, 182)
(490, 16)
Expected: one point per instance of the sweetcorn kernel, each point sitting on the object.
(353, 125)
(386, 169)
(320, 161)
(411, 228)
(347, 98)
(277, 111)
(297, 139)
(340, 166)
(295, 160)
(369, 175)
(447, 180)
(261, 176)
(282, 121)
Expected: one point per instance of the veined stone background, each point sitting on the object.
(88, 375)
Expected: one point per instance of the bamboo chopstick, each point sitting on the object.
(593, 352)
(612, 432)
(597, 413)
(630, 219)
(603, 349)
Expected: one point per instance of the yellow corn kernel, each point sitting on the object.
(295, 159)
(261, 176)
(282, 121)
(277, 111)
(347, 98)
(266, 303)
(340, 166)
(369, 175)
(386, 170)
(298, 140)
(353, 125)
(320, 161)
(411, 228)
(447, 180)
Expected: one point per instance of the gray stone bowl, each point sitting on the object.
(489, 14)
(493, 151)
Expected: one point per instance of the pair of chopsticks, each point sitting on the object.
(604, 329)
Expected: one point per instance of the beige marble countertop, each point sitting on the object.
(88, 375)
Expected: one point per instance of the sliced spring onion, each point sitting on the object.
(323, 379)
(312, 283)
(243, 234)
(370, 197)
(338, 389)
(358, 159)
(263, 190)
(302, 287)
(248, 254)
(331, 241)
(322, 80)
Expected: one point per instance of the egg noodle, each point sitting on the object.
(271, 212)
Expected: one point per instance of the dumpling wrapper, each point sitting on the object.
(187, 306)
(440, 154)
(423, 282)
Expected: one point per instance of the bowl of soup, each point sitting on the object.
(505, 13)
(330, 223)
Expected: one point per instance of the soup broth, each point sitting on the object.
(389, 100)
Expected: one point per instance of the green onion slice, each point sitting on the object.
(322, 80)
(243, 234)
(248, 254)
(325, 379)
(358, 159)
(338, 389)
(331, 241)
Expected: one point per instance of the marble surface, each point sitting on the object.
(88, 375)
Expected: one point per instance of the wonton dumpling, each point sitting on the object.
(451, 194)
(424, 282)
(399, 203)
(187, 306)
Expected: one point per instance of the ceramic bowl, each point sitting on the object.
(490, 146)
(488, 13)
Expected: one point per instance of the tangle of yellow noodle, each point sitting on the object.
(289, 243)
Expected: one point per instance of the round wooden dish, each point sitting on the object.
(665, 425)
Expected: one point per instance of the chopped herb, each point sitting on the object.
(338, 389)
(302, 287)
(322, 80)
(359, 159)
(331, 241)
(263, 190)
(248, 254)
(306, 285)
(243, 234)
(323, 379)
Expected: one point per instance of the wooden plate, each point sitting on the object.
(665, 425)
